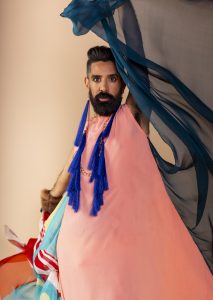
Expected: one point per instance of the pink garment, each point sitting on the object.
(137, 248)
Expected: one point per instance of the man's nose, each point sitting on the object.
(103, 86)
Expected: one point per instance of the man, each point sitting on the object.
(106, 88)
(129, 243)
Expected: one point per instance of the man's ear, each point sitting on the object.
(86, 81)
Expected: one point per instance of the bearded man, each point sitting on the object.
(115, 240)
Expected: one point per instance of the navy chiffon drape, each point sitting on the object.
(163, 51)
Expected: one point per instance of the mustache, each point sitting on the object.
(104, 95)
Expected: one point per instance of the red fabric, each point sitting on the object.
(28, 250)
(14, 272)
(10, 267)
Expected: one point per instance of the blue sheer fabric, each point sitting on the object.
(165, 59)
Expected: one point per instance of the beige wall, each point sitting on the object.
(41, 99)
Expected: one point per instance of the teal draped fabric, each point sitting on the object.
(163, 51)
(48, 288)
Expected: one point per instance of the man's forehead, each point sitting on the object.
(103, 68)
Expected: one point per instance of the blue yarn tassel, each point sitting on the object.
(81, 125)
(98, 167)
(74, 186)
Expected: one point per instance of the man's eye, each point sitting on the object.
(113, 78)
(96, 79)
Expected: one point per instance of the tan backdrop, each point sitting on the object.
(41, 100)
(42, 96)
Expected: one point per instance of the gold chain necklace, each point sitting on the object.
(82, 170)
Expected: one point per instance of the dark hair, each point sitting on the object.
(98, 53)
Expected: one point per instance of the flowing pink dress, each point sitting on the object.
(137, 248)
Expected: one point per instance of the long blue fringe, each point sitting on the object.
(96, 164)
(98, 167)
(74, 186)
(82, 125)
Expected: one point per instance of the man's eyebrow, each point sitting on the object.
(114, 74)
(109, 75)
(94, 75)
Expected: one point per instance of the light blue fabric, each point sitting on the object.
(49, 244)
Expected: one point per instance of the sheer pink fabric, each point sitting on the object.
(137, 247)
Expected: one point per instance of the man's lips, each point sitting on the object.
(103, 99)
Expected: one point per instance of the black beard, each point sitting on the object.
(105, 108)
